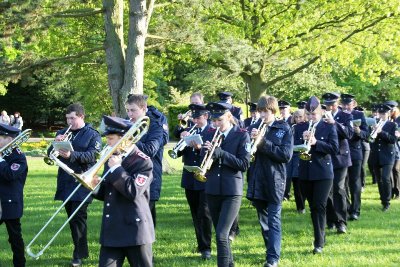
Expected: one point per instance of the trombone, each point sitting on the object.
(305, 148)
(205, 165)
(53, 153)
(126, 144)
(173, 153)
(374, 133)
(262, 128)
(16, 142)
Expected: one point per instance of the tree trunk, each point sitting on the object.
(256, 85)
(114, 48)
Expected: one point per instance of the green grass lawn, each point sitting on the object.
(373, 240)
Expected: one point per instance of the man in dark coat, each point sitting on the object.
(254, 115)
(127, 229)
(13, 172)
(267, 175)
(86, 142)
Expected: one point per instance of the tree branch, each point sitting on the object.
(150, 9)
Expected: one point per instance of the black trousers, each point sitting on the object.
(316, 192)
(138, 256)
(201, 217)
(354, 177)
(78, 228)
(15, 239)
(396, 178)
(382, 174)
(336, 209)
(298, 196)
(364, 164)
(287, 187)
(235, 227)
(152, 204)
(371, 171)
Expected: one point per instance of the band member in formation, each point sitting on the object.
(267, 175)
(284, 110)
(301, 104)
(316, 174)
(254, 115)
(395, 117)
(227, 97)
(292, 168)
(354, 171)
(224, 186)
(366, 150)
(195, 98)
(86, 142)
(383, 141)
(13, 172)
(151, 143)
(194, 190)
(374, 115)
(127, 229)
(337, 202)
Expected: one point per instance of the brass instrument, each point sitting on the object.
(262, 130)
(183, 122)
(200, 172)
(328, 115)
(374, 132)
(16, 142)
(53, 153)
(126, 144)
(173, 153)
(305, 148)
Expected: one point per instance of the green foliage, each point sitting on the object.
(173, 111)
(373, 240)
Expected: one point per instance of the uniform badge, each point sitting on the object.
(97, 146)
(141, 180)
(280, 134)
(248, 147)
(15, 166)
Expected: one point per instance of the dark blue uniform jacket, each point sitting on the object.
(356, 141)
(152, 144)
(225, 176)
(267, 175)
(237, 114)
(320, 166)
(86, 143)
(13, 171)
(192, 157)
(383, 149)
(127, 218)
(345, 132)
(292, 167)
(247, 122)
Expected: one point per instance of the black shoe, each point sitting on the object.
(206, 255)
(353, 217)
(317, 250)
(270, 264)
(341, 228)
(331, 226)
(385, 207)
(76, 262)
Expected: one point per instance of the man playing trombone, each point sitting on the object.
(194, 190)
(13, 171)
(86, 142)
(127, 229)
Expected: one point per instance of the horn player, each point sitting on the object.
(127, 229)
(13, 172)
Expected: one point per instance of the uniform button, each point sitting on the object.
(137, 219)
(322, 137)
(107, 215)
(9, 200)
(194, 161)
(108, 204)
(310, 161)
(110, 193)
(379, 150)
(218, 174)
(327, 163)
(347, 151)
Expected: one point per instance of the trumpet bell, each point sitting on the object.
(200, 177)
(300, 148)
(305, 156)
(172, 154)
(48, 161)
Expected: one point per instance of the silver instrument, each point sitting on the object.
(173, 153)
(377, 129)
(16, 142)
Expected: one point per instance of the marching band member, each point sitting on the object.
(284, 110)
(13, 172)
(292, 168)
(354, 171)
(383, 141)
(301, 104)
(152, 143)
(374, 115)
(195, 98)
(86, 142)
(316, 174)
(224, 186)
(366, 150)
(194, 190)
(227, 97)
(127, 229)
(254, 115)
(337, 202)
(266, 176)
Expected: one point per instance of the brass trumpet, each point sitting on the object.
(374, 133)
(16, 142)
(305, 148)
(183, 122)
(53, 153)
(126, 144)
(173, 153)
(262, 130)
